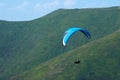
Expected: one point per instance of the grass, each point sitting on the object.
(99, 61)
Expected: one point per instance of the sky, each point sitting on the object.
(24, 10)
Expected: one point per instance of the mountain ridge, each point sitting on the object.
(24, 45)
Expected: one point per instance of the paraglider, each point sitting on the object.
(68, 33)
(77, 62)
(71, 31)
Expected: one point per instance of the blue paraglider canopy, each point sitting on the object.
(71, 31)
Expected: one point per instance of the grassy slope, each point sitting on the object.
(24, 45)
(99, 61)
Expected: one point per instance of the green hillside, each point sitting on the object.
(99, 61)
(24, 45)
